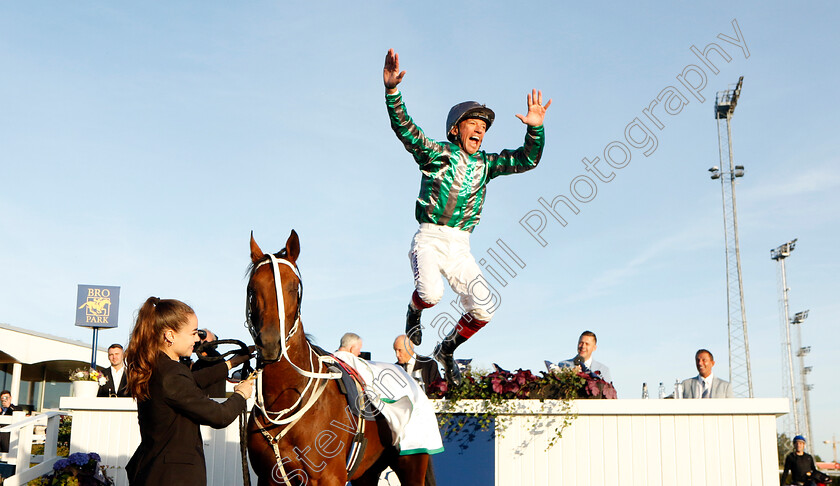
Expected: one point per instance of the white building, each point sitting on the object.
(36, 367)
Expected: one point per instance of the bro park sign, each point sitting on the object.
(97, 306)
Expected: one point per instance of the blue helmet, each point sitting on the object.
(464, 111)
(799, 437)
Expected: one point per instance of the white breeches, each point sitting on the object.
(440, 250)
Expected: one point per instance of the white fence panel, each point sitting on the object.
(612, 442)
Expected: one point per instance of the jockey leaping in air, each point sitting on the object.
(454, 178)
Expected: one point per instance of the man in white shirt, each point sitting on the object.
(587, 344)
(705, 385)
(117, 385)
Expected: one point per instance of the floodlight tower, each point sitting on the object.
(797, 321)
(740, 374)
(780, 254)
(833, 443)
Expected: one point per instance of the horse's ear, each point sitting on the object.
(293, 247)
(256, 253)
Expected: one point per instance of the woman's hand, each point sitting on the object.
(238, 360)
(244, 388)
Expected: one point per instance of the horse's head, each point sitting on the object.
(274, 279)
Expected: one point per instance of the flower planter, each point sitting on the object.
(84, 389)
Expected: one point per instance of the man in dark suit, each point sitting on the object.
(424, 369)
(117, 384)
(217, 389)
(6, 408)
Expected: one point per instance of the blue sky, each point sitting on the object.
(140, 145)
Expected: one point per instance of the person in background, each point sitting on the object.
(800, 464)
(424, 370)
(6, 408)
(587, 344)
(171, 400)
(216, 390)
(117, 384)
(351, 343)
(705, 385)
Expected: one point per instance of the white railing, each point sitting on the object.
(108, 426)
(21, 437)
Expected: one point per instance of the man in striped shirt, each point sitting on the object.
(452, 188)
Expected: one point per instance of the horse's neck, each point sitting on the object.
(300, 352)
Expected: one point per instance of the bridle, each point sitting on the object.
(281, 308)
(288, 416)
(281, 417)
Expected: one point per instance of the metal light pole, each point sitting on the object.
(797, 321)
(780, 254)
(740, 372)
(833, 443)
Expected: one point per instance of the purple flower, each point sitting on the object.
(95, 457)
(79, 458)
(61, 464)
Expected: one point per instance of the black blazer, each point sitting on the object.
(171, 450)
(12, 408)
(428, 370)
(107, 390)
(5, 436)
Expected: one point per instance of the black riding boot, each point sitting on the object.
(413, 329)
(443, 353)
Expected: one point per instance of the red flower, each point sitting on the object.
(438, 388)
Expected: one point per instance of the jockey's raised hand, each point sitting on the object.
(391, 74)
(536, 110)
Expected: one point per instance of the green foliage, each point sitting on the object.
(64, 427)
(502, 385)
(79, 469)
(497, 389)
(63, 443)
(62, 449)
(784, 446)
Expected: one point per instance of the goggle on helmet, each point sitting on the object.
(464, 111)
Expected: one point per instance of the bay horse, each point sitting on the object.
(300, 430)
